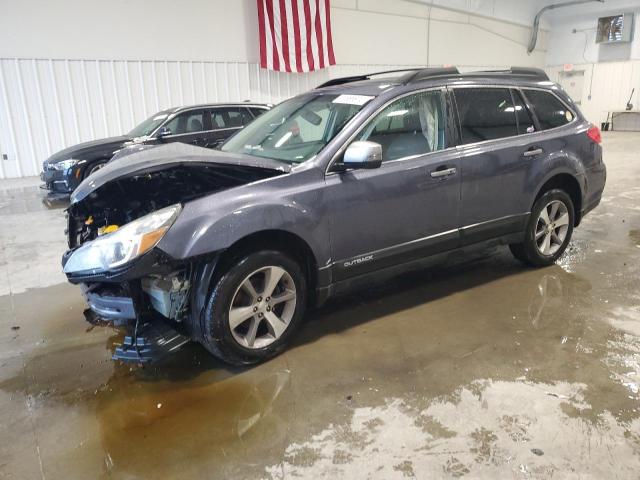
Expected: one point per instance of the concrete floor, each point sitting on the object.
(481, 368)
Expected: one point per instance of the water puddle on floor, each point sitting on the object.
(462, 369)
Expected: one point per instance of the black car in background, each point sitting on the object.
(202, 125)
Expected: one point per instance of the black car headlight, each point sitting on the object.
(65, 164)
(125, 244)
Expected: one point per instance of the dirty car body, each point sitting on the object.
(355, 180)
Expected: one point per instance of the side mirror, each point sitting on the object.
(362, 154)
(163, 132)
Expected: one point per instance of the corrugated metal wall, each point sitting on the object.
(47, 105)
(606, 87)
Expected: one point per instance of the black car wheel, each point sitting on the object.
(548, 230)
(254, 308)
(93, 168)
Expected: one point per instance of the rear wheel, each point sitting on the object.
(548, 230)
(255, 308)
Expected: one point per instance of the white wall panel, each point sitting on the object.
(47, 105)
(606, 87)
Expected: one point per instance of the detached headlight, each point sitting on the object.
(65, 164)
(129, 242)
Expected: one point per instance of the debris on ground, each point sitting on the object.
(558, 395)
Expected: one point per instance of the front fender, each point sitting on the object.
(290, 203)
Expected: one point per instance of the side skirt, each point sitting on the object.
(378, 276)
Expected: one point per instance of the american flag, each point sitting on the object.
(295, 35)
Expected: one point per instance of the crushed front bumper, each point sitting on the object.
(108, 305)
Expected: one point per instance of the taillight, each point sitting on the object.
(594, 134)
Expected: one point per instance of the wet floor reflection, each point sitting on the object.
(466, 367)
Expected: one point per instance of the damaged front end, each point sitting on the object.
(113, 232)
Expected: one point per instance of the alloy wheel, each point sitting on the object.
(262, 307)
(552, 227)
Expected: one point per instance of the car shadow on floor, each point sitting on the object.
(404, 292)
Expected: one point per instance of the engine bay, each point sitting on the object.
(125, 199)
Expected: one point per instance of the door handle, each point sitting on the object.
(444, 172)
(532, 152)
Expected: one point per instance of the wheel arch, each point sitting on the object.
(568, 183)
(282, 240)
(89, 164)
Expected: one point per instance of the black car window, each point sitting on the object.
(257, 111)
(230, 117)
(525, 122)
(412, 125)
(485, 114)
(550, 111)
(187, 122)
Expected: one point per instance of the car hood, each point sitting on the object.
(154, 158)
(82, 150)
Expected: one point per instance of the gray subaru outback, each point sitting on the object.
(361, 178)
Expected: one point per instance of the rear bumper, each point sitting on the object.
(596, 179)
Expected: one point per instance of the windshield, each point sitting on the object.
(149, 125)
(297, 129)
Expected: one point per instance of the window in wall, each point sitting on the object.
(525, 122)
(550, 111)
(188, 122)
(485, 114)
(412, 125)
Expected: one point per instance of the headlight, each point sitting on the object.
(123, 245)
(65, 164)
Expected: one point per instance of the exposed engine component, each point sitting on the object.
(126, 199)
(169, 295)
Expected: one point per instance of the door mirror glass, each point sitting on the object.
(362, 154)
(163, 132)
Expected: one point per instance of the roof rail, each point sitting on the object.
(357, 78)
(414, 75)
(536, 73)
(433, 72)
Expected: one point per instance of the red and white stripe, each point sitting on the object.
(295, 35)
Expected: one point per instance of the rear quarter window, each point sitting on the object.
(551, 112)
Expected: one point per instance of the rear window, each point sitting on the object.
(257, 111)
(550, 111)
(485, 114)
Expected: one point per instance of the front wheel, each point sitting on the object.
(548, 231)
(254, 308)
(94, 168)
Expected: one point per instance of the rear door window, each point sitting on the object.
(230, 117)
(485, 114)
(550, 111)
(525, 122)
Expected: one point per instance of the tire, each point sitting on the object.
(553, 237)
(235, 345)
(93, 168)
